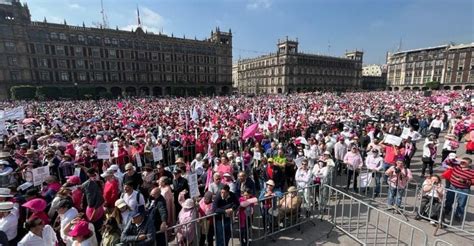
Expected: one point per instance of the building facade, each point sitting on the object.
(450, 66)
(288, 71)
(120, 62)
(374, 77)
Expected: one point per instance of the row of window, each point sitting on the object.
(49, 76)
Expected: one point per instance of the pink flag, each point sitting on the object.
(250, 131)
(120, 105)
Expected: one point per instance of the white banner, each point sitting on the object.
(17, 113)
(157, 154)
(103, 151)
(116, 149)
(39, 175)
(193, 185)
(393, 140)
(139, 160)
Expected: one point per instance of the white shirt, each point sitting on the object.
(67, 217)
(9, 224)
(437, 124)
(131, 200)
(415, 136)
(48, 238)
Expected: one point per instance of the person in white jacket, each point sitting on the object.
(374, 164)
(303, 180)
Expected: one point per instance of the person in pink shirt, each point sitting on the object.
(398, 178)
(353, 160)
(224, 167)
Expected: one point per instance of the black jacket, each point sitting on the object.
(130, 233)
(157, 211)
(220, 205)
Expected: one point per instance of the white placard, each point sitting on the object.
(157, 154)
(116, 149)
(447, 108)
(214, 137)
(139, 160)
(103, 151)
(257, 155)
(17, 113)
(298, 161)
(405, 133)
(77, 171)
(193, 185)
(3, 128)
(39, 175)
(393, 140)
(20, 128)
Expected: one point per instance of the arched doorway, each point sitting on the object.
(424, 88)
(457, 87)
(168, 91)
(390, 88)
(101, 92)
(157, 91)
(406, 88)
(468, 87)
(447, 87)
(280, 91)
(416, 88)
(116, 91)
(144, 91)
(131, 91)
(225, 90)
(211, 90)
(396, 89)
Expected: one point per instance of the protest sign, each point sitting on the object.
(157, 154)
(103, 151)
(393, 140)
(116, 149)
(257, 155)
(17, 113)
(138, 159)
(39, 175)
(193, 185)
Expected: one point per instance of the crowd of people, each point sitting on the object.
(170, 161)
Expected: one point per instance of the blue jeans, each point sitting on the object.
(461, 199)
(391, 196)
(377, 177)
(222, 232)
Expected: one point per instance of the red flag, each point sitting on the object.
(120, 105)
(250, 131)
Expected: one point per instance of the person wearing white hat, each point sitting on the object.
(117, 173)
(4, 194)
(9, 219)
(185, 234)
(6, 174)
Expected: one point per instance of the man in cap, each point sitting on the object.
(140, 230)
(9, 220)
(340, 150)
(374, 162)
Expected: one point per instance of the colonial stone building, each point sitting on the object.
(374, 77)
(120, 62)
(452, 66)
(288, 71)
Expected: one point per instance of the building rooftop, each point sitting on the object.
(421, 49)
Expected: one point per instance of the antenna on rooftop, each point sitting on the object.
(105, 23)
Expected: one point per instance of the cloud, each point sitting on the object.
(259, 4)
(377, 24)
(151, 21)
(75, 6)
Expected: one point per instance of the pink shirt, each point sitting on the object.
(353, 160)
(221, 169)
(403, 181)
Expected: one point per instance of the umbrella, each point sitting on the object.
(29, 120)
(36, 204)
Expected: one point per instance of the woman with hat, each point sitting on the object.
(6, 174)
(207, 227)
(39, 234)
(133, 176)
(37, 206)
(9, 219)
(73, 183)
(111, 189)
(82, 233)
(186, 232)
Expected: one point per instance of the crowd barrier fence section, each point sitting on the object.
(367, 224)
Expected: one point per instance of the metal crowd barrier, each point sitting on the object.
(368, 225)
(439, 242)
(367, 190)
(264, 222)
(448, 205)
